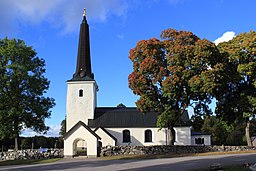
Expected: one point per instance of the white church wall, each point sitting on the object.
(80, 108)
(159, 137)
(138, 136)
(182, 136)
(79, 134)
(105, 138)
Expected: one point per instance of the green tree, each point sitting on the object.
(219, 129)
(22, 89)
(26, 143)
(197, 123)
(171, 74)
(62, 128)
(237, 101)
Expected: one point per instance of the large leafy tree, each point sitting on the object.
(237, 102)
(22, 89)
(170, 74)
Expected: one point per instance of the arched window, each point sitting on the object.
(196, 140)
(126, 136)
(148, 136)
(81, 93)
(199, 140)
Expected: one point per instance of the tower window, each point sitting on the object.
(81, 93)
(126, 136)
(148, 136)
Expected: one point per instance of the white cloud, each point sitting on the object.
(52, 132)
(60, 13)
(229, 35)
(120, 36)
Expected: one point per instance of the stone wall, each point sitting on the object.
(31, 154)
(123, 150)
(137, 150)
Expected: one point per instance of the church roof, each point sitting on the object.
(103, 129)
(115, 117)
(199, 133)
(83, 66)
(76, 126)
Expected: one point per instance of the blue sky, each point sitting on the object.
(52, 28)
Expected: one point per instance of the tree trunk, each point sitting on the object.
(170, 133)
(16, 133)
(247, 132)
(16, 143)
(32, 145)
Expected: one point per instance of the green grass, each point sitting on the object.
(19, 162)
(158, 156)
(229, 168)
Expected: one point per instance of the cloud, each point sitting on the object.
(120, 36)
(61, 13)
(97, 10)
(229, 35)
(52, 132)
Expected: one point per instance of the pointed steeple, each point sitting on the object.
(83, 66)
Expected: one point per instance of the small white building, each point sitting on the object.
(90, 127)
(198, 138)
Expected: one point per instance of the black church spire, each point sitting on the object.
(83, 66)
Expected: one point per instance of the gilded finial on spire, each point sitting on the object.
(84, 12)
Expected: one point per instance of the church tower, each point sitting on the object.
(82, 88)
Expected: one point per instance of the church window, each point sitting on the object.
(126, 136)
(148, 136)
(81, 93)
(199, 140)
(173, 135)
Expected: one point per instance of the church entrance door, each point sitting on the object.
(80, 147)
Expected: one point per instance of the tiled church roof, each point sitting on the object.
(115, 117)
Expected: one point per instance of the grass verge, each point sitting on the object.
(157, 156)
(229, 168)
(19, 162)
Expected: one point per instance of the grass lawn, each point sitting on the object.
(158, 156)
(19, 162)
(229, 168)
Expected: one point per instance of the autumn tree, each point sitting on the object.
(237, 101)
(22, 89)
(170, 74)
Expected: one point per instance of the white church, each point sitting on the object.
(90, 127)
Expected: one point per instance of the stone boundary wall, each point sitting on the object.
(31, 154)
(137, 150)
